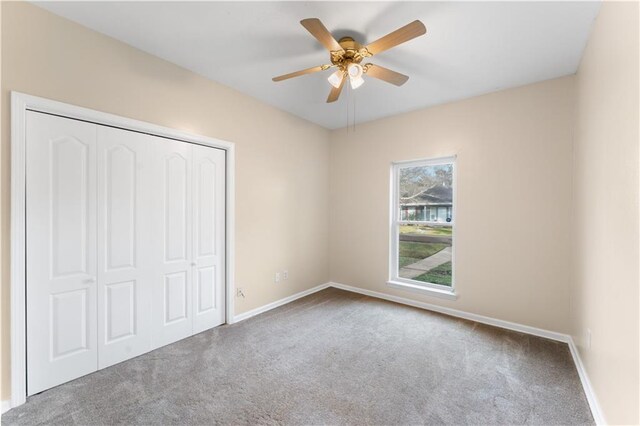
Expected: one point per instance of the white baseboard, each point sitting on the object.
(277, 303)
(5, 406)
(560, 337)
(460, 314)
(597, 413)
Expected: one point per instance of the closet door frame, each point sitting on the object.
(20, 104)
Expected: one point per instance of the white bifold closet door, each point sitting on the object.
(62, 297)
(208, 237)
(125, 245)
(125, 262)
(172, 242)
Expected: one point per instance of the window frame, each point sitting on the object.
(438, 290)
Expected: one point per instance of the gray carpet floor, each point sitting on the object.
(330, 358)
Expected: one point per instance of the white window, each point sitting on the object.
(422, 226)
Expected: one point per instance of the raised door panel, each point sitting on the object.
(208, 237)
(69, 205)
(124, 242)
(61, 254)
(206, 197)
(206, 299)
(69, 323)
(175, 298)
(121, 187)
(120, 311)
(172, 224)
(176, 181)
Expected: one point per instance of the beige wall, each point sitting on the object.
(282, 161)
(604, 296)
(513, 191)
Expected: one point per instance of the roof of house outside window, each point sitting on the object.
(438, 195)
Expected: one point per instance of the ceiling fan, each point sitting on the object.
(346, 55)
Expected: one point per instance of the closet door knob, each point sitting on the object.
(193, 263)
(90, 281)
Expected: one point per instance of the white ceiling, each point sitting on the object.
(470, 48)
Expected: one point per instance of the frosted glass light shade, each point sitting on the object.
(335, 79)
(355, 70)
(356, 82)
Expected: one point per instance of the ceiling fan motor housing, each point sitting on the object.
(353, 52)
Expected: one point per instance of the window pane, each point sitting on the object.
(425, 250)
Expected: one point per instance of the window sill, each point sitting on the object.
(435, 292)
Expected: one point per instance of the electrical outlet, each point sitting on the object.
(285, 274)
(588, 339)
(277, 278)
(239, 292)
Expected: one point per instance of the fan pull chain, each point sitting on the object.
(354, 112)
(351, 107)
(348, 102)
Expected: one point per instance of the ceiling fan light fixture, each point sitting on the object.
(356, 82)
(355, 70)
(335, 79)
